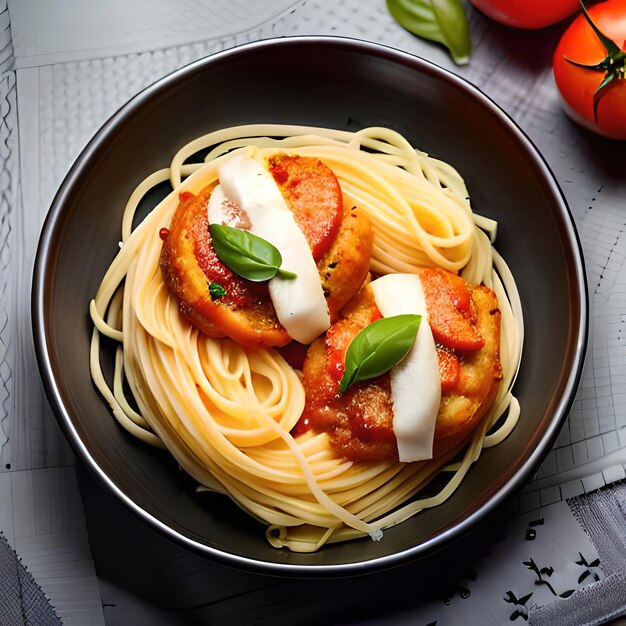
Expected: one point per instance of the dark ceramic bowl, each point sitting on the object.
(336, 83)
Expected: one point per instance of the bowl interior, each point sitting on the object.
(325, 82)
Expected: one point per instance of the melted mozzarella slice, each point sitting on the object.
(299, 302)
(415, 381)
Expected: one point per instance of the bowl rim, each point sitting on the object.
(72, 182)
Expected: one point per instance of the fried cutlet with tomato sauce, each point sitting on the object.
(339, 237)
(465, 322)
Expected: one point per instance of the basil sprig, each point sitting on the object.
(442, 21)
(379, 347)
(248, 255)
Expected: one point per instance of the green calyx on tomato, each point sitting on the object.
(613, 65)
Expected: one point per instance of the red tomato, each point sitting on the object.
(449, 300)
(527, 13)
(578, 84)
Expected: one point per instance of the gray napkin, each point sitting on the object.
(602, 514)
(22, 602)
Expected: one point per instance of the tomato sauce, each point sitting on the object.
(312, 192)
(452, 320)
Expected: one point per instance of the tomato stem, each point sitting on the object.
(613, 65)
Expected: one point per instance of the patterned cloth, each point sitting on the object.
(22, 602)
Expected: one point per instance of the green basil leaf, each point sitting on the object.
(441, 21)
(248, 255)
(379, 347)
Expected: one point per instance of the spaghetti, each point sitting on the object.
(225, 413)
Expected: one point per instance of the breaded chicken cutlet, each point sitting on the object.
(339, 236)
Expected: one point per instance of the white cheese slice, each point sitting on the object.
(415, 381)
(299, 302)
